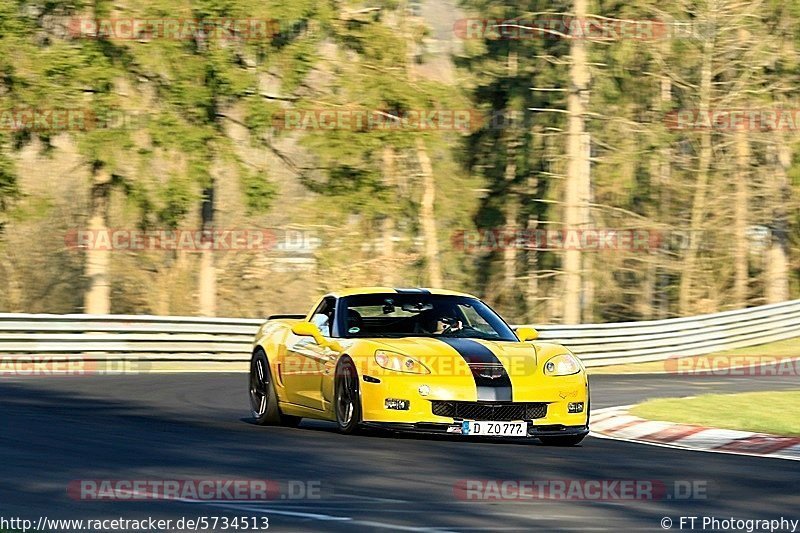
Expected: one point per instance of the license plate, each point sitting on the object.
(495, 429)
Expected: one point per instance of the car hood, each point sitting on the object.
(445, 354)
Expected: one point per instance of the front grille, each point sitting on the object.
(498, 411)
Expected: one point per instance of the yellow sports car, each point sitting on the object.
(416, 359)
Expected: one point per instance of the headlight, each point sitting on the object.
(399, 362)
(562, 365)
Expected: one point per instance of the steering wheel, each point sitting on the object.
(449, 324)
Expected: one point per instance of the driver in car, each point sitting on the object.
(438, 322)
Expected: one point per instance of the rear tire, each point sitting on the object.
(263, 399)
(347, 401)
(567, 440)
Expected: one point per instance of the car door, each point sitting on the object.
(305, 360)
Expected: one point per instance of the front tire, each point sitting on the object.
(263, 398)
(347, 401)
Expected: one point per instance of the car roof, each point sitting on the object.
(395, 290)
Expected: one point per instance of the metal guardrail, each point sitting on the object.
(228, 340)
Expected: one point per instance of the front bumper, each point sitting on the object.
(556, 392)
(455, 429)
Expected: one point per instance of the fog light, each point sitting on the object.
(424, 390)
(399, 405)
(575, 407)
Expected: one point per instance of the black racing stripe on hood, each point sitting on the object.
(497, 389)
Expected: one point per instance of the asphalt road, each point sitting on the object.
(57, 430)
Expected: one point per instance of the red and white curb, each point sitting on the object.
(616, 423)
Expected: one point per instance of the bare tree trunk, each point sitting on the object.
(162, 292)
(587, 259)
(165, 279)
(575, 200)
(207, 286)
(664, 178)
(13, 284)
(428, 217)
(512, 228)
(777, 269)
(532, 267)
(97, 299)
(685, 294)
(740, 213)
(388, 225)
(430, 235)
(510, 252)
(645, 300)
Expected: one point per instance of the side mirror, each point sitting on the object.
(307, 329)
(527, 334)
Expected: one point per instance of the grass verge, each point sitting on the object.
(762, 412)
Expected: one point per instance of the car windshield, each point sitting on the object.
(421, 315)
